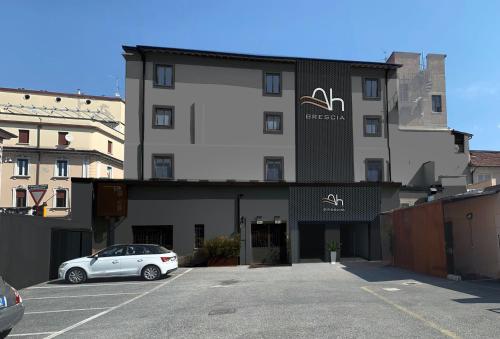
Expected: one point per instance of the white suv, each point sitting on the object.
(148, 261)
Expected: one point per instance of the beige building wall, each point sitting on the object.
(476, 240)
(93, 124)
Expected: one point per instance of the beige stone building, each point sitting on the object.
(57, 136)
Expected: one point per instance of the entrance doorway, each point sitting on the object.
(312, 242)
(355, 240)
(269, 244)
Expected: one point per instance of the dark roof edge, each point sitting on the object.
(255, 57)
(483, 151)
(6, 135)
(460, 132)
(70, 95)
(233, 183)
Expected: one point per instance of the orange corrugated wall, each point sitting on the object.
(419, 239)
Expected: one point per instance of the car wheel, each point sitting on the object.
(4, 334)
(76, 276)
(151, 272)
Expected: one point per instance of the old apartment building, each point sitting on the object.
(57, 136)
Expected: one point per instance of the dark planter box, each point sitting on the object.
(221, 261)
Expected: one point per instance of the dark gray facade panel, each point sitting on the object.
(354, 203)
(324, 139)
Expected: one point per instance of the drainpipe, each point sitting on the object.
(389, 170)
(38, 128)
(140, 167)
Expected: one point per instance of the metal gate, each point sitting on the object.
(66, 245)
(269, 244)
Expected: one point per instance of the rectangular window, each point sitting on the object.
(273, 122)
(436, 104)
(164, 76)
(163, 166)
(163, 117)
(460, 142)
(109, 172)
(375, 170)
(483, 177)
(61, 139)
(273, 169)
(85, 168)
(24, 136)
(61, 168)
(21, 197)
(199, 236)
(110, 147)
(372, 126)
(272, 83)
(22, 167)
(61, 198)
(158, 235)
(371, 88)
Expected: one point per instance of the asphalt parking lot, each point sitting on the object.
(356, 299)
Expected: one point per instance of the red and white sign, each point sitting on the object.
(37, 192)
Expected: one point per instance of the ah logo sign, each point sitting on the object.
(325, 103)
(335, 201)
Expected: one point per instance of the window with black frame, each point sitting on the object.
(273, 169)
(162, 166)
(371, 88)
(374, 170)
(273, 122)
(437, 104)
(199, 235)
(164, 76)
(163, 117)
(272, 83)
(372, 126)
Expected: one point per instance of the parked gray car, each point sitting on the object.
(11, 308)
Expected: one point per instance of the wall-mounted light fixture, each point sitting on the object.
(258, 220)
(277, 219)
(469, 216)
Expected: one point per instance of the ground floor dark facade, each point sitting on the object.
(278, 223)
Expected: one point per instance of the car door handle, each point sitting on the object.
(115, 261)
(139, 260)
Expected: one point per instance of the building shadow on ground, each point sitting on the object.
(478, 291)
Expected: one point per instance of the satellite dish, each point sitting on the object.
(68, 137)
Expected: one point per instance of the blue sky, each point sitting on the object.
(65, 45)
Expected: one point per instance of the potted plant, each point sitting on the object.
(223, 251)
(333, 247)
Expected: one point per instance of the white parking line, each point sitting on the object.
(69, 328)
(29, 334)
(70, 310)
(80, 296)
(95, 285)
